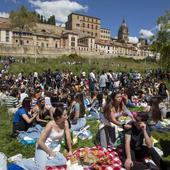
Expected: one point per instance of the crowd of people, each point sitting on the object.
(62, 102)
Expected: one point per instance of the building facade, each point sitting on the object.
(105, 34)
(5, 31)
(81, 34)
(85, 24)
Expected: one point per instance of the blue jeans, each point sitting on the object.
(81, 122)
(93, 115)
(42, 160)
(130, 104)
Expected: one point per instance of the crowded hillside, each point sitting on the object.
(57, 119)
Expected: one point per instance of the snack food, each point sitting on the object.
(73, 159)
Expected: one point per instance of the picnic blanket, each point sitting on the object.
(106, 159)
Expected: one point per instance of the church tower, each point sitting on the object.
(123, 33)
(142, 40)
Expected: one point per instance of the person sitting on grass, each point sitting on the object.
(134, 148)
(22, 120)
(93, 112)
(48, 146)
(113, 110)
(77, 111)
(41, 111)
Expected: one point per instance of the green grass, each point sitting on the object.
(10, 146)
(114, 64)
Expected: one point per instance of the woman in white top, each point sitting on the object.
(48, 146)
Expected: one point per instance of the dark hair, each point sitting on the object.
(54, 100)
(22, 90)
(14, 92)
(40, 99)
(58, 112)
(80, 99)
(107, 109)
(115, 103)
(26, 103)
(156, 113)
(143, 115)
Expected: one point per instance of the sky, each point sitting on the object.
(140, 15)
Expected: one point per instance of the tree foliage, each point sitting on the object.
(23, 19)
(162, 40)
(51, 20)
(42, 19)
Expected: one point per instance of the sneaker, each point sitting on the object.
(15, 158)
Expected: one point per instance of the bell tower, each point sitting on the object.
(123, 32)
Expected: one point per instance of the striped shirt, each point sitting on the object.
(11, 102)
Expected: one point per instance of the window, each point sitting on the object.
(72, 44)
(43, 30)
(27, 42)
(87, 25)
(16, 41)
(77, 17)
(56, 45)
(72, 38)
(92, 26)
(83, 24)
(7, 36)
(96, 27)
(77, 25)
(96, 34)
(47, 45)
(42, 44)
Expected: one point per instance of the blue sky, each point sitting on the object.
(140, 15)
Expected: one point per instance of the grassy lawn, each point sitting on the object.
(10, 146)
(83, 64)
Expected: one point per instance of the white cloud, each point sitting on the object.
(146, 33)
(4, 14)
(60, 8)
(133, 40)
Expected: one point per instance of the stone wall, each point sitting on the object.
(40, 52)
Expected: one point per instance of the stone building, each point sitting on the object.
(5, 31)
(82, 34)
(105, 34)
(86, 24)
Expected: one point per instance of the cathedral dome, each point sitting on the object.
(123, 32)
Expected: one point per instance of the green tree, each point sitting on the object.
(162, 40)
(23, 19)
(51, 20)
